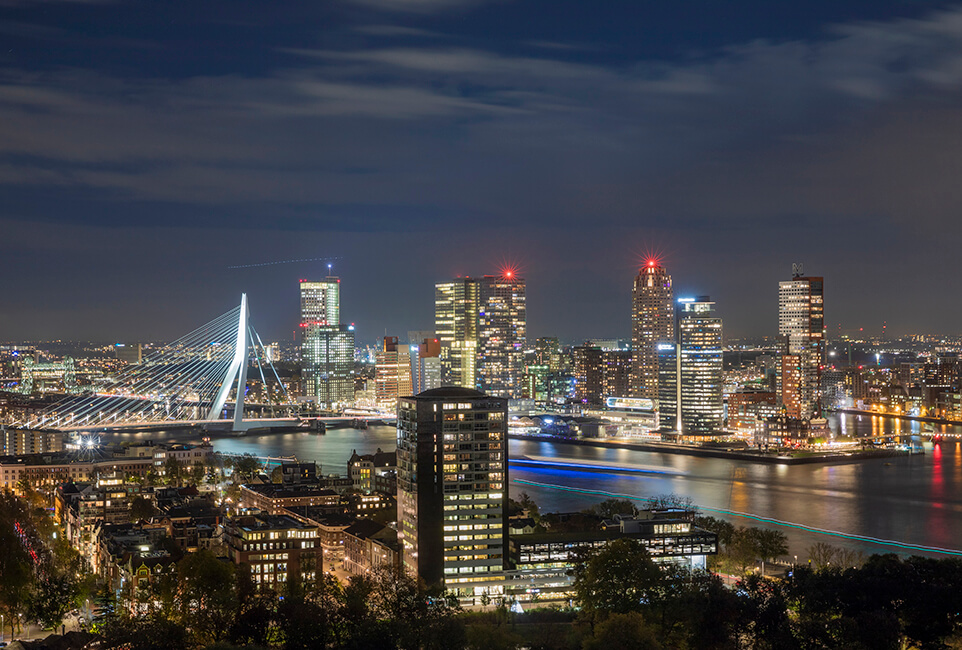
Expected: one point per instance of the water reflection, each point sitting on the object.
(915, 499)
(911, 499)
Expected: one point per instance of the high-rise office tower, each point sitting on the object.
(429, 364)
(652, 322)
(548, 353)
(321, 302)
(600, 374)
(392, 373)
(502, 333)
(327, 347)
(690, 371)
(456, 307)
(452, 476)
(801, 320)
(482, 326)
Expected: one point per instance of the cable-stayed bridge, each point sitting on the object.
(187, 381)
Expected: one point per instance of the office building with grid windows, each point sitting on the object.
(452, 489)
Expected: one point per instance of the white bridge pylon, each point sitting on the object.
(237, 368)
(190, 379)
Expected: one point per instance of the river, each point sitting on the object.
(906, 503)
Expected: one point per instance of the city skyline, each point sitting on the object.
(148, 176)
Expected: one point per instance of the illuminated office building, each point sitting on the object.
(452, 477)
(456, 309)
(801, 320)
(321, 302)
(502, 326)
(690, 371)
(392, 374)
(652, 322)
(428, 365)
(548, 353)
(327, 347)
(600, 374)
(481, 324)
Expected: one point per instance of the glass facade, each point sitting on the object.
(652, 321)
(801, 320)
(482, 326)
(392, 373)
(690, 372)
(452, 487)
(456, 325)
(502, 332)
(327, 347)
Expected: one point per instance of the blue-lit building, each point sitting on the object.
(690, 371)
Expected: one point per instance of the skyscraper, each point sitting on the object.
(321, 302)
(429, 364)
(690, 371)
(652, 321)
(452, 488)
(502, 332)
(392, 373)
(481, 324)
(456, 307)
(801, 320)
(327, 346)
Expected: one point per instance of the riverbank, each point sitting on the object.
(717, 452)
(902, 416)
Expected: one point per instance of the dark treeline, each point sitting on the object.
(889, 602)
(209, 603)
(624, 600)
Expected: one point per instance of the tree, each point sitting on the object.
(173, 470)
(141, 508)
(527, 503)
(769, 544)
(206, 596)
(146, 633)
(742, 551)
(277, 475)
(619, 578)
(16, 564)
(53, 597)
(670, 502)
(763, 618)
(197, 472)
(623, 632)
(611, 507)
(255, 610)
(821, 555)
(246, 466)
(724, 529)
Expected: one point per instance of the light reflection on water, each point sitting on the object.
(913, 499)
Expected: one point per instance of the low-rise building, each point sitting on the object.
(370, 546)
(541, 562)
(274, 497)
(367, 469)
(275, 547)
(54, 469)
(365, 505)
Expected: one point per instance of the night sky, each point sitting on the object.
(145, 147)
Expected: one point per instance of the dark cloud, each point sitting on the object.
(438, 158)
(420, 6)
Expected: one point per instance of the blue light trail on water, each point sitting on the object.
(600, 468)
(767, 520)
